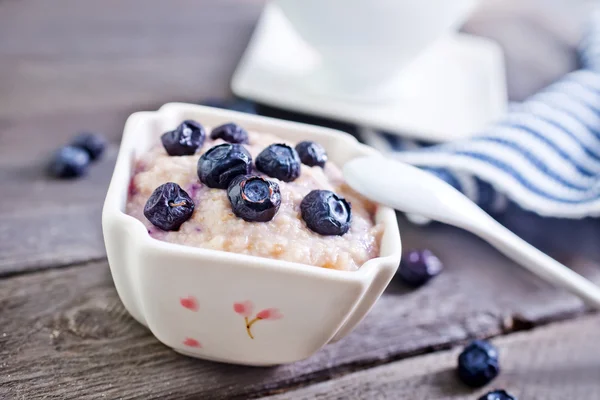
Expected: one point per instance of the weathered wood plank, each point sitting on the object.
(43, 221)
(557, 362)
(64, 333)
(73, 56)
(50, 238)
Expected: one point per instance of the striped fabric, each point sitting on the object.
(544, 155)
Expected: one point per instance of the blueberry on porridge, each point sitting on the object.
(253, 198)
(185, 140)
(279, 161)
(311, 154)
(326, 213)
(219, 165)
(168, 207)
(279, 208)
(231, 132)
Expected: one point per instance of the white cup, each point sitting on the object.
(366, 43)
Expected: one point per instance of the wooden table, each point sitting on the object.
(68, 65)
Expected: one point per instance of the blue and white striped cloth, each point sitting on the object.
(544, 155)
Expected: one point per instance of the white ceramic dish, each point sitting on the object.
(451, 91)
(199, 302)
(365, 44)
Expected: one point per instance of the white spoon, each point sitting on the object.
(409, 189)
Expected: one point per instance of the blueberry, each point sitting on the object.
(70, 162)
(185, 140)
(168, 207)
(497, 395)
(311, 154)
(418, 267)
(231, 132)
(326, 213)
(253, 198)
(93, 143)
(219, 165)
(279, 161)
(478, 363)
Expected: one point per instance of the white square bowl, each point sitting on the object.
(202, 302)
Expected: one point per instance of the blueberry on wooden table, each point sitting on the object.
(253, 198)
(168, 207)
(230, 132)
(478, 363)
(220, 164)
(326, 213)
(311, 154)
(279, 161)
(418, 267)
(93, 143)
(497, 395)
(70, 162)
(184, 140)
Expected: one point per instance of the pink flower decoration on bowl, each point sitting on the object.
(244, 308)
(270, 313)
(192, 343)
(190, 303)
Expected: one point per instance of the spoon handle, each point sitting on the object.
(537, 261)
(412, 190)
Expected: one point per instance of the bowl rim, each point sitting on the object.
(113, 209)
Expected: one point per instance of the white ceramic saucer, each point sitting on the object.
(451, 91)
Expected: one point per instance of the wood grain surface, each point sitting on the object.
(558, 362)
(73, 55)
(64, 333)
(46, 222)
(71, 65)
